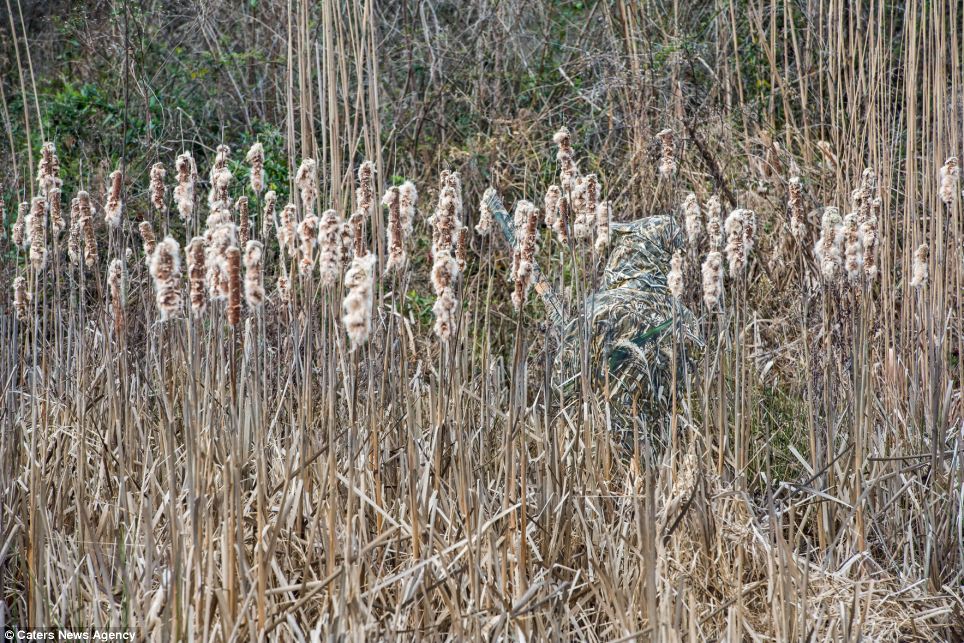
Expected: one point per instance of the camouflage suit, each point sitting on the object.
(626, 333)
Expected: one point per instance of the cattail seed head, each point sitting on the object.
(253, 275)
(869, 240)
(712, 271)
(197, 275)
(408, 199)
(219, 197)
(394, 230)
(115, 288)
(551, 203)
(19, 230)
(739, 227)
(444, 309)
(244, 221)
(798, 219)
(357, 305)
(287, 229)
(461, 248)
(674, 279)
(693, 220)
(38, 233)
(267, 215)
(147, 238)
(568, 170)
(87, 228)
(255, 159)
(306, 180)
(20, 297)
(525, 251)
(157, 185)
(113, 205)
(365, 197)
(308, 233)
(714, 222)
(76, 233)
(48, 169)
(284, 289)
(184, 190)
(232, 258)
(603, 216)
(484, 226)
(57, 222)
(950, 173)
(921, 276)
(853, 248)
(828, 250)
(166, 271)
(445, 270)
(334, 241)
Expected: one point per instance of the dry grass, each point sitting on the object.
(248, 471)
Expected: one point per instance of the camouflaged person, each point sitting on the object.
(624, 341)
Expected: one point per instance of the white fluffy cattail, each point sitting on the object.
(714, 222)
(113, 205)
(74, 239)
(115, 288)
(20, 297)
(157, 185)
(219, 197)
(484, 226)
(166, 271)
(365, 197)
(798, 219)
(950, 173)
(306, 180)
(446, 220)
(357, 305)
(444, 309)
(308, 234)
(255, 159)
(693, 220)
(921, 276)
(148, 239)
(407, 202)
(869, 239)
(334, 241)
(568, 170)
(604, 214)
(853, 248)
(525, 251)
(48, 169)
(828, 249)
(551, 204)
(740, 227)
(268, 213)
(395, 231)
(287, 232)
(197, 275)
(85, 220)
(57, 222)
(184, 190)
(712, 271)
(674, 279)
(253, 275)
(19, 230)
(38, 233)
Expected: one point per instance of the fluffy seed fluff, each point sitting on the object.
(334, 241)
(57, 222)
(444, 309)
(394, 231)
(48, 169)
(253, 275)
(166, 271)
(740, 228)
(484, 226)
(184, 190)
(255, 159)
(365, 198)
(287, 232)
(38, 233)
(408, 200)
(115, 287)
(798, 219)
(674, 279)
(921, 276)
(148, 239)
(527, 218)
(20, 297)
(551, 205)
(18, 232)
(113, 205)
(869, 238)
(157, 185)
(357, 305)
(714, 222)
(568, 170)
(197, 275)
(712, 271)
(306, 180)
(76, 231)
(308, 234)
(268, 213)
(87, 228)
(949, 174)
(693, 221)
(828, 250)
(853, 248)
